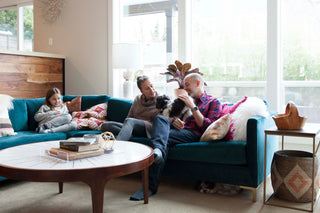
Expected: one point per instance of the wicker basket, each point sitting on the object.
(290, 119)
(291, 175)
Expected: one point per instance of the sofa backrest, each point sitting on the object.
(118, 109)
(22, 115)
(88, 101)
(33, 106)
(19, 115)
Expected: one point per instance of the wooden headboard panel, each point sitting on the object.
(24, 76)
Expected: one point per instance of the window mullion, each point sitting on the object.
(274, 90)
(20, 33)
(184, 30)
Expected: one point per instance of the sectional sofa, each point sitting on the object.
(231, 162)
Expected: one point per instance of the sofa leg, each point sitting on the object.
(254, 192)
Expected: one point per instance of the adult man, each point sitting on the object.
(205, 110)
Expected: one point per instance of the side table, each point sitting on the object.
(310, 130)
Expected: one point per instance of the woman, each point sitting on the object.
(142, 112)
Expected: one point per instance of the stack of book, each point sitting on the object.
(77, 148)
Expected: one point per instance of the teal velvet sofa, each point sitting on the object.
(231, 162)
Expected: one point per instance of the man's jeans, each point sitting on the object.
(162, 138)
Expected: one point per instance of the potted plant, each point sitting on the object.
(178, 72)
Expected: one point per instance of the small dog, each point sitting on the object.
(175, 109)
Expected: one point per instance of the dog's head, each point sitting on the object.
(162, 101)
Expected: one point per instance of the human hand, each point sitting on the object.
(178, 124)
(187, 100)
(58, 112)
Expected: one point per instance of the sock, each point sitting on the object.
(139, 195)
(158, 159)
(45, 126)
(44, 130)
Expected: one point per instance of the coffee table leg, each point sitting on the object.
(60, 187)
(145, 184)
(97, 194)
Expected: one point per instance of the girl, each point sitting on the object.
(53, 116)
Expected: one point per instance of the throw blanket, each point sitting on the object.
(92, 118)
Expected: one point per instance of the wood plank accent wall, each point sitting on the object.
(30, 76)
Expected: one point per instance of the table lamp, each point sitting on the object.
(129, 58)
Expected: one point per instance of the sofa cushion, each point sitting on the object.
(33, 106)
(74, 104)
(220, 152)
(25, 137)
(118, 109)
(217, 130)
(19, 115)
(89, 101)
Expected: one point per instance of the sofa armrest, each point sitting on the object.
(118, 109)
(255, 147)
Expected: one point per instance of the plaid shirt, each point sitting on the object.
(211, 110)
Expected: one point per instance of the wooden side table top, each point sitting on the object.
(309, 130)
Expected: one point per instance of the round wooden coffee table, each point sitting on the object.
(30, 163)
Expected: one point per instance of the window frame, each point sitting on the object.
(19, 6)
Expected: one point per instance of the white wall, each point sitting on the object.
(80, 33)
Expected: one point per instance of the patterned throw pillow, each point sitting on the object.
(79, 115)
(5, 123)
(74, 104)
(92, 118)
(95, 123)
(81, 123)
(98, 111)
(217, 130)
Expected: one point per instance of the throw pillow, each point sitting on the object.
(95, 123)
(238, 124)
(5, 123)
(217, 130)
(74, 104)
(98, 111)
(79, 115)
(81, 123)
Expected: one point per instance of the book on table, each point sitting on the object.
(78, 141)
(71, 155)
(80, 148)
(79, 144)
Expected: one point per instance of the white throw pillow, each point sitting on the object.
(217, 130)
(251, 107)
(5, 123)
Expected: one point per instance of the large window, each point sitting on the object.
(230, 45)
(152, 25)
(301, 51)
(16, 27)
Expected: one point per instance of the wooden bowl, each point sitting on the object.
(290, 119)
